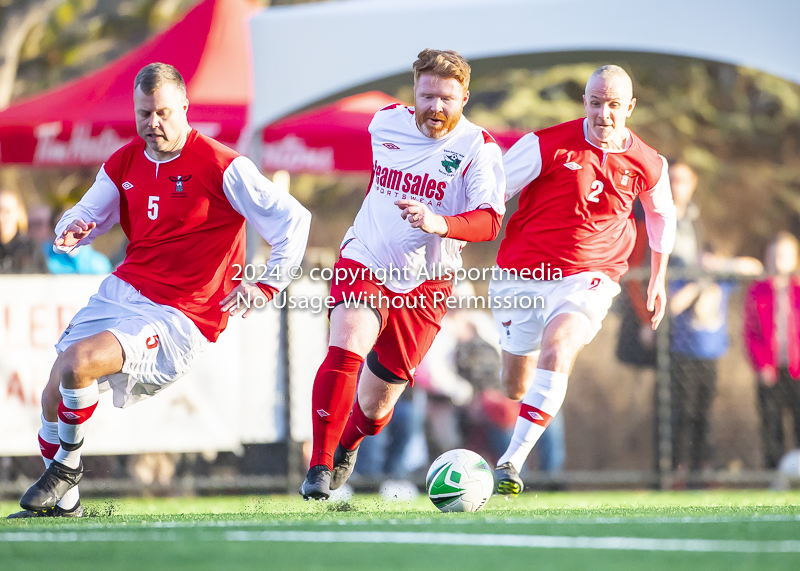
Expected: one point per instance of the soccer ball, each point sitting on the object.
(459, 481)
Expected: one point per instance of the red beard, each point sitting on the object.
(438, 130)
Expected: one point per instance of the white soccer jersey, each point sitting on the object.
(460, 172)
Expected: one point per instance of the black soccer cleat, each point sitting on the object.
(56, 481)
(507, 481)
(344, 461)
(317, 485)
(57, 511)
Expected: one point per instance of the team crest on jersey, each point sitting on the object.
(507, 324)
(179, 180)
(451, 162)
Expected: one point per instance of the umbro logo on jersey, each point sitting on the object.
(126, 185)
(573, 166)
(323, 413)
(179, 180)
(391, 146)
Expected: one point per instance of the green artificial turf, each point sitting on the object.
(736, 530)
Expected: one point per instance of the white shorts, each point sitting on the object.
(520, 328)
(159, 342)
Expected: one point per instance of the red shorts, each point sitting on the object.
(409, 321)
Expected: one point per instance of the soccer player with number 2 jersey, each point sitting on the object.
(182, 200)
(577, 182)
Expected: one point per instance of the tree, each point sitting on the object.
(17, 19)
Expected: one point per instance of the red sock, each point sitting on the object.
(359, 426)
(331, 400)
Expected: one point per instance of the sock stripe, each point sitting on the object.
(75, 416)
(70, 446)
(48, 449)
(535, 415)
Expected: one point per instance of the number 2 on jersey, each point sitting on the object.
(597, 188)
(152, 207)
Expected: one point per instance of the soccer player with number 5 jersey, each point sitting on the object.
(577, 182)
(182, 200)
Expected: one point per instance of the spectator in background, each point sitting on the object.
(772, 342)
(83, 260)
(699, 335)
(19, 254)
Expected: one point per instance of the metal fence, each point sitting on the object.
(667, 420)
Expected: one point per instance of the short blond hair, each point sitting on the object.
(447, 64)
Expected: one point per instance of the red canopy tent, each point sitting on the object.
(84, 121)
(333, 137)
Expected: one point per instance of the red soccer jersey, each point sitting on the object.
(575, 204)
(184, 234)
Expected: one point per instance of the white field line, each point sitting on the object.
(441, 520)
(415, 538)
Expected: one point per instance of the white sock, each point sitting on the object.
(49, 434)
(74, 412)
(540, 404)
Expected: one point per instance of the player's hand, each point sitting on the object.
(422, 217)
(249, 292)
(74, 233)
(656, 300)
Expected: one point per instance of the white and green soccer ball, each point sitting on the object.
(459, 481)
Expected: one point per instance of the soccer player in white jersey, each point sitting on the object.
(437, 183)
(182, 199)
(568, 245)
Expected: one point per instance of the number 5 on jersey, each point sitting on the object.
(597, 188)
(152, 207)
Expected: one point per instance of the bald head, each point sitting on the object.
(611, 76)
(608, 101)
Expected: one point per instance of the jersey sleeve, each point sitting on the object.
(277, 216)
(659, 213)
(100, 205)
(485, 179)
(482, 225)
(523, 164)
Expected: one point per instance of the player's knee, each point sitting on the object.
(75, 363)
